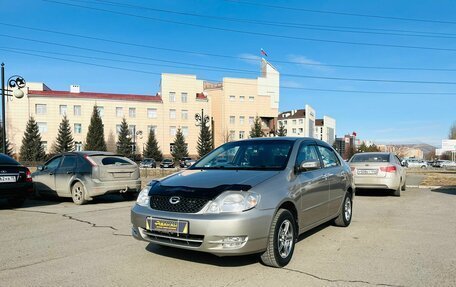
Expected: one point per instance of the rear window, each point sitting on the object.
(6, 160)
(372, 157)
(111, 160)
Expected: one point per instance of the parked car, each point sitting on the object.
(148, 162)
(15, 181)
(449, 164)
(167, 163)
(189, 163)
(378, 170)
(182, 161)
(416, 163)
(84, 175)
(261, 199)
(438, 163)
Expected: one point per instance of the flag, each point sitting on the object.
(354, 134)
(263, 52)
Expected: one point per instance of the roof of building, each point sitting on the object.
(109, 96)
(294, 114)
(319, 122)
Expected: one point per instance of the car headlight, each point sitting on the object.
(143, 197)
(233, 201)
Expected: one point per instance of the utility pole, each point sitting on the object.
(3, 110)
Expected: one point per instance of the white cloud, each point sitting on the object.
(307, 63)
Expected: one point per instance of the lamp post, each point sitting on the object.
(13, 82)
(202, 120)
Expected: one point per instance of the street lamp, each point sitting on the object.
(13, 82)
(202, 120)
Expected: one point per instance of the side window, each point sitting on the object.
(54, 163)
(307, 153)
(398, 161)
(328, 157)
(69, 161)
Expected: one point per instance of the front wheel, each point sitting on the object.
(281, 241)
(346, 211)
(78, 194)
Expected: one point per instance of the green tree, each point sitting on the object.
(204, 145)
(180, 147)
(452, 134)
(152, 149)
(32, 149)
(124, 142)
(350, 152)
(256, 131)
(95, 136)
(9, 149)
(281, 132)
(373, 148)
(362, 147)
(64, 141)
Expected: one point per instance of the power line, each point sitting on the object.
(340, 13)
(239, 83)
(223, 56)
(331, 28)
(231, 69)
(259, 33)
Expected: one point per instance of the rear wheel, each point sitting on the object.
(281, 242)
(404, 186)
(16, 201)
(78, 194)
(397, 192)
(345, 215)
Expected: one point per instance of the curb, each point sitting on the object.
(424, 186)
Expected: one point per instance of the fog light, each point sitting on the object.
(234, 241)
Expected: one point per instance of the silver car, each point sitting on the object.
(377, 170)
(250, 196)
(84, 175)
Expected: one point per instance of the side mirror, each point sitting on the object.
(40, 167)
(308, 165)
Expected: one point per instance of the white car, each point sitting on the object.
(449, 164)
(416, 163)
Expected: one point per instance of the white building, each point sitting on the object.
(325, 129)
(298, 123)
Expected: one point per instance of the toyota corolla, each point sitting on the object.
(258, 199)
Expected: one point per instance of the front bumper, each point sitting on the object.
(206, 231)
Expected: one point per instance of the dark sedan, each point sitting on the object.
(15, 181)
(167, 163)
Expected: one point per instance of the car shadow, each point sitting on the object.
(446, 189)
(314, 230)
(373, 192)
(201, 257)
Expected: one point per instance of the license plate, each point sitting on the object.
(7, 178)
(367, 171)
(167, 225)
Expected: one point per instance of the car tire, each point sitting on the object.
(129, 195)
(16, 201)
(78, 193)
(397, 192)
(404, 186)
(281, 241)
(346, 212)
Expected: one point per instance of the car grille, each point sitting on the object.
(186, 204)
(189, 240)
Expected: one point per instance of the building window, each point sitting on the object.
(172, 131)
(63, 110)
(251, 120)
(119, 112)
(184, 114)
(293, 122)
(78, 146)
(241, 120)
(293, 130)
(42, 127)
(132, 112)
(241, 98)
(232, 120)
(285, 122)
(232, 98)
(152, 129)
(301, 121)
(241, 135)
(151, 113)
(77, 128)
(45, 145)
(172, 114)
(232, 135)
(185, 131)
(101, 111)
(172, 97)
(40, 109)
(118, 127)
(171, 147)
(184, 97)
(300, 130)
(251, 98)
(132, 132)
(77, 110)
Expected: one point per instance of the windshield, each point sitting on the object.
(370, 157)
(260, 155)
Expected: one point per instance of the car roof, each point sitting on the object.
(89, 153)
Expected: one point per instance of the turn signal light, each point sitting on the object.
(390, 168)
(28, 176)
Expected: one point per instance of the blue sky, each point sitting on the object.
(384, 118)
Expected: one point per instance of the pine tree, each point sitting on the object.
(204, 145)
(9, 149)
(152, 150)
(180, 147)
(95, 136)
(124, 142)
(452, 133)
(64, 141)
(32, 149)
(256, 131)
(281, 132)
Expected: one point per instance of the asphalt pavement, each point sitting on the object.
(406, 241)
